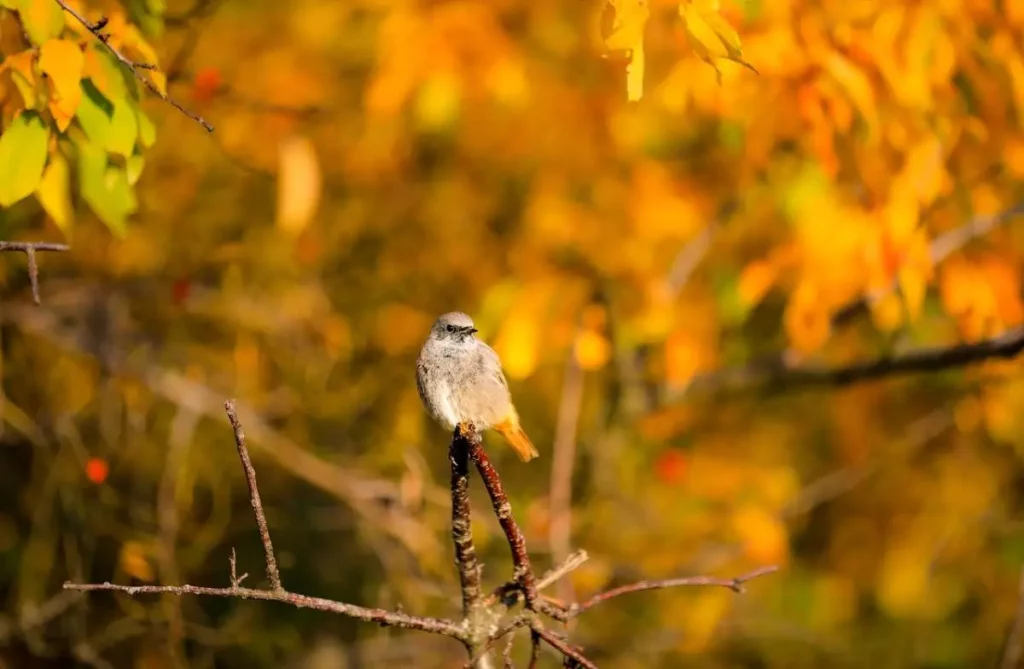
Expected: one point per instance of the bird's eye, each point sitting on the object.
(450, 328)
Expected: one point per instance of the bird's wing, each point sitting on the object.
(493, 362)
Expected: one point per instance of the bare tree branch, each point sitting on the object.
(29, 249)
(97, 31)
(273, 575)
(927, 359)
(481, 626)
(522, 570)
(462, 534)
(734, 584)
(378, 616)
(277, 593)
(562, 646)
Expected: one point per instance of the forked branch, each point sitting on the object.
(485, 620)
(29, 249)
(276, 592)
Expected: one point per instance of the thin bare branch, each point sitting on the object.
(236, 580)
(734, 584)
(29, 249)
(135, 67)
(379, 616)
(689, 257)
(273, 575)
(927, 359)
(562, 646)
(563, 465)
(522, 570)
(534, 650)
(567, 566)
(277, 593)
(462, 534)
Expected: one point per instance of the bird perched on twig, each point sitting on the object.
(461, 383)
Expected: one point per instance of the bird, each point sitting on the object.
(461, 383)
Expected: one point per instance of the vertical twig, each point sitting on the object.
(1015, 640)
(462, 534)
(273, 575)
(563, 459)
(534, 650)
(522, 570)
(29, 249)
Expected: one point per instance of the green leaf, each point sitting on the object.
(22, 157)
(54, 191)
(133, 168)
(95, 114)
(147, 131)
(42, 19)
(106, 73)
(124, 129)
(105, 188)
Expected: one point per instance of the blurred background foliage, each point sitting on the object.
(625, 208)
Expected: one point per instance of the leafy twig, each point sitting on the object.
(135, 67)
(29, 249)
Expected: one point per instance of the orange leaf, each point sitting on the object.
(755, 282)
(807, 320)
(64, 62)
(298, 184)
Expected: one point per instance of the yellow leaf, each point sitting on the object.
(628, 27)
(806, 319)
(755, 282)
(23, 74)
(925, 170)
(764, 537)
(298, 184)
(711, 37)
(134, 562)
(64, 62)
(635, 74)
(42, 19)
(887, 313)
(105, 74)
(54, 191)
(592, 349)
(628, 35)
(438, 100)
(855, 84)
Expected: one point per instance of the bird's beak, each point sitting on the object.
(473, 330)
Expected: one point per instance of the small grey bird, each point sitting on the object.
(461, 383)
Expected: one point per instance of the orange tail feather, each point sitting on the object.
(518, 440)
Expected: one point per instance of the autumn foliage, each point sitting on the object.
(675, 204)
